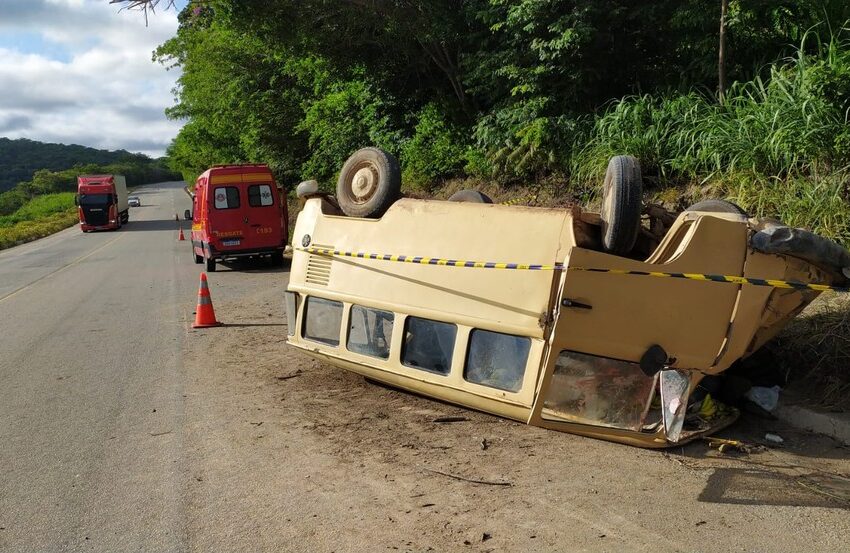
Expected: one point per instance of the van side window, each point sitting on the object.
(596, 390)
(428, 345)
(226, 197)
(322, 319)
(370, 331)
(260, 195)
(496, 360)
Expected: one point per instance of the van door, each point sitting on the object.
(607, 321)
(227, 216)
(264, 227)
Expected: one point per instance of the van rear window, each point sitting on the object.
(226, 197)
(260, 195)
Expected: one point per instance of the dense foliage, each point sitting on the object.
(138, 169)
(512, 90)
(20, 158)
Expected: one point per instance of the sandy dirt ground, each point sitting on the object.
(286, 453)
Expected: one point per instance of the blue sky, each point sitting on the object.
(80, 72)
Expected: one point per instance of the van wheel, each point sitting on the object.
(210, 265)
(471, 196)
(369, 183)
(718, 206)
(621, 204)
(198, 258)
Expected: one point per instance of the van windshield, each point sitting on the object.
(95, 200)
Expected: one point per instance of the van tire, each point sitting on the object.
(621, 204)
(198, 258)
(210, 262)
(369, 183)
(471, 196)
(718, 206)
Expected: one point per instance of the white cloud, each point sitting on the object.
(102, 91)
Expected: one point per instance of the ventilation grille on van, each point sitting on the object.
(319, 267)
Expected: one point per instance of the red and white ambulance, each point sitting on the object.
(238, 211)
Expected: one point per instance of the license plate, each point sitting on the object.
(230, 242)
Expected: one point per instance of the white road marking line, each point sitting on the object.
(60, 269)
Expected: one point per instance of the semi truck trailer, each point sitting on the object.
(102, 202)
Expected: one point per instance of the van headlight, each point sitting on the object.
(291, 304)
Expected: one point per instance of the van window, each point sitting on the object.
(322, 319)
(370, 331)
(428, 345)
(496, 360)
(599, 391)
(226, 197)
(260, 195)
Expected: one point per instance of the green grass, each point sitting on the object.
(779, 145)
(40, 217)
(27, 231)
(38, 208)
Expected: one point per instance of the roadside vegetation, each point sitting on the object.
(532, 97)
(21, 157)
(45, 204)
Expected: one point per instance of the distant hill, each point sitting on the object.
(20, 158)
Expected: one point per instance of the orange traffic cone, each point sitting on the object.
(180, 236)
(205, 314)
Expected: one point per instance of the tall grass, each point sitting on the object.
(794, 120)
(780, 145)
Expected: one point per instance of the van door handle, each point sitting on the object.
(566, 302)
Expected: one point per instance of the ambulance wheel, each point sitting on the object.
(621, 204)
(210, 265)
(369, 183)
(471, 196)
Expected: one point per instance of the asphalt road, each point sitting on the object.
(90, 379)
(122, 429)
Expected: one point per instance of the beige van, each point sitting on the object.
(579, 322)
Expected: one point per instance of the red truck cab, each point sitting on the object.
(238, 211)
(102, 202)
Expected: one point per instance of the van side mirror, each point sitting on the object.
(187, 215)
(653, 360)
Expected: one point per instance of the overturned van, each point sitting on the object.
(574, 321)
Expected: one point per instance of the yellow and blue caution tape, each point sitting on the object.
(773, 283)
(704, 277)
(419, 260)
(521, 200)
